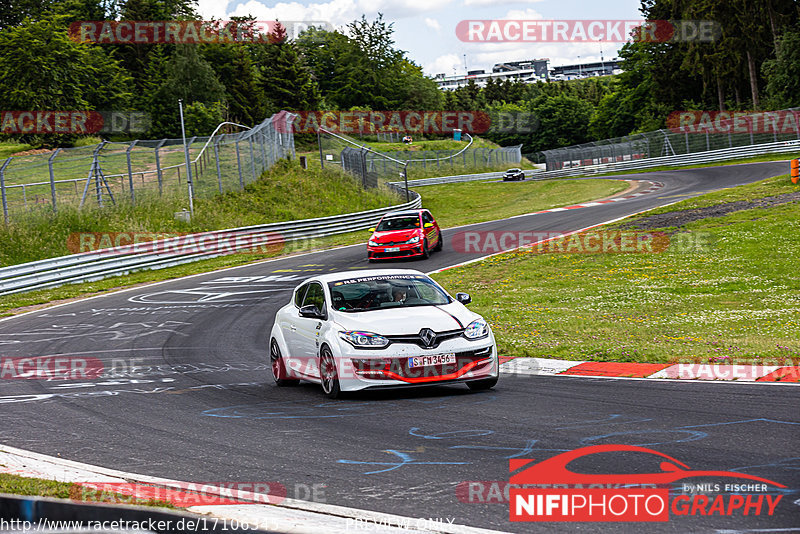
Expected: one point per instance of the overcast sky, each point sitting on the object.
(426, 28)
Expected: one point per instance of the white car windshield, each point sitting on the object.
(385, 291)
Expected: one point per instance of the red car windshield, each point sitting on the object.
(398, 223)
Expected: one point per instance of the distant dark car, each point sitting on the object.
(513, 174)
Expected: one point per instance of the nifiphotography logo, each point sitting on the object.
(550, 491)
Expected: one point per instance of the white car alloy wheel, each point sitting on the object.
(329, 378)
(278, 366)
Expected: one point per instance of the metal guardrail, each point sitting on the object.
(96, 265)
(711, 156)
(461, 178)
(687, 133)
(678, 160)
(90, 266)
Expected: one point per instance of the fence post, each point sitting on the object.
(239, 165)
(158, 167)
(263, 151)
(189, 166)
(216, 158)
(252, 158)
(95, 164)
(53, 178)
(319, 144)
(364, 169)
(130, 170)
(3, 189)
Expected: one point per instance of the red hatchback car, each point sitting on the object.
(404, 234)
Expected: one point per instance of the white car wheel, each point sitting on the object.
(329, 377)
(278, 366)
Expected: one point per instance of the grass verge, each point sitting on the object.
(37, 487)
(725, 290)
(753, 159)
(472, 202)
(446, 202)
(43, 234)
(7, 148)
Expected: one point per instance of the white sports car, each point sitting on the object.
(380, 328)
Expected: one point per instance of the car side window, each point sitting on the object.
(427, 217)
(315, 296)
(298, 297)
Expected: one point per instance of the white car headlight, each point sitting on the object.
(414, 239)
(372, 243)
(364, 340)
(477, 329)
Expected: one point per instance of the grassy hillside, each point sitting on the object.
(726, 290)
(285, 192)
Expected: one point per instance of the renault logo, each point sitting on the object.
(428, 337)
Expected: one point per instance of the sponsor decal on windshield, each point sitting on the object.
(380, 278)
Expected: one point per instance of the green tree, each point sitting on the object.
(417, 91)
(136, 58)
(201, 119)
(41, 68)
(190, 78)
(285, 82)
(235, 70)
(563, 121)
(783, 73)
(14, 12)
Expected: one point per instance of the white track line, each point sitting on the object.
(287, 515)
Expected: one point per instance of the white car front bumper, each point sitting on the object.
(392, 367)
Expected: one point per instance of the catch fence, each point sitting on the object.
(774, 131)
(112, 171)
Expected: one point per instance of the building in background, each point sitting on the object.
(584, 70)
(530, 71)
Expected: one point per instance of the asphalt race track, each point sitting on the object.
(202, 405)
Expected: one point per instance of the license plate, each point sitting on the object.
(391, 249)
(436, 359)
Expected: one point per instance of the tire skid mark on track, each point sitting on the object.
(189, 442)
